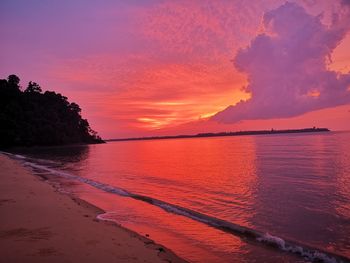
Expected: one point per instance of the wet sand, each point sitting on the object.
(40, 224)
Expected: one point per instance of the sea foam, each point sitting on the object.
(305, 251)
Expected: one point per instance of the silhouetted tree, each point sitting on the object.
(33, 87)
(35, 118)
(13, 82)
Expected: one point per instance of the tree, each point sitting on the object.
(31, 117)
(13, 82)
(75, 108)
(33, 87)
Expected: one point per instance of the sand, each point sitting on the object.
(40, 224)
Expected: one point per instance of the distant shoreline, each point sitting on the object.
(221, 134)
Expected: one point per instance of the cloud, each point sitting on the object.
(204, 29)
(287, 66)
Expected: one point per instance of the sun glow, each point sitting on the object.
(314, 94)
(207, 115)
(171, 103)
(172, 113)
(152, 123)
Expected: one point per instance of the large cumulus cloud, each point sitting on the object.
(286, 66)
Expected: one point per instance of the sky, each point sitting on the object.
(144, 68)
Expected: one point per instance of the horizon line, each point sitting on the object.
(222, 134)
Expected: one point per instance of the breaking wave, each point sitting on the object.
(294, 247)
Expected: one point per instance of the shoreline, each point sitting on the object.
(41, 224)
(223, 134)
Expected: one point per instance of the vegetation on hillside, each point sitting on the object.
(31, 117)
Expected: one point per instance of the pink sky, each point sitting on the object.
(141, 68)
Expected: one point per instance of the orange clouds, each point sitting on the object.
(204, 29)
(341, 57)
(143, 68)
(153, 95)
(181, 72)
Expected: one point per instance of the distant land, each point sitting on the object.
(221, 134)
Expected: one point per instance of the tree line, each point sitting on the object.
(31, 117)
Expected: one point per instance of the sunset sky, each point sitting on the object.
(140, 68)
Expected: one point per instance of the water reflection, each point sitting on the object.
(202, 174)
(298, 189)
(62, 154)
(294, 186)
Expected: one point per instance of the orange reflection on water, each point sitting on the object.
(214, 176)
(293, 186)
(201, 174)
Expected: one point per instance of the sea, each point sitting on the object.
(262, 198)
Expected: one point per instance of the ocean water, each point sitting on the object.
(267, 198)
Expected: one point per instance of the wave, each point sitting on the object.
(303, 250)
(22, 157)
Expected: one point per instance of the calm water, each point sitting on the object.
(294, 187)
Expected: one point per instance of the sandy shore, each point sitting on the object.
(38, 224)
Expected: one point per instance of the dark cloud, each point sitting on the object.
(286, 66)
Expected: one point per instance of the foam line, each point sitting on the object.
(305, 251)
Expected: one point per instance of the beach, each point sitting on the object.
(40, 224)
